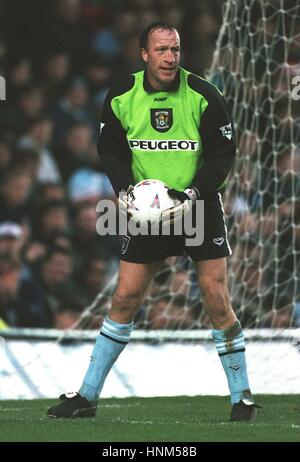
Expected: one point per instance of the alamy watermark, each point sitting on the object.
(2, 88)
(113, 221)
(296, 89)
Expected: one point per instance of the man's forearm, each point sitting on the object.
(213, 174)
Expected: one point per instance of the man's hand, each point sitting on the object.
(186, 198)
(188, 194)
(180, 195)
(124, 204)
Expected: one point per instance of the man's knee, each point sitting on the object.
(216, 301)
(127, 299)
(214, 290)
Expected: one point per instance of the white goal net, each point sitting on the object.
(256, 60)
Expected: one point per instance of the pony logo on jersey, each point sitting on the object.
(161, 119)
(227, 131)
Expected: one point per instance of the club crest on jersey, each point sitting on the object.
(161, 119)
(226, 131)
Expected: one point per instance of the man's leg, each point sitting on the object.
(227, 334)
(134, 279)
(118, 325)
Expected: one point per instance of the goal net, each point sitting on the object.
(254, 65)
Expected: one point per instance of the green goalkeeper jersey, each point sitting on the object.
(182, 136)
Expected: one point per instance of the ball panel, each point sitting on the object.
(149, 199)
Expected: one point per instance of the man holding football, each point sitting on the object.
(166, 102)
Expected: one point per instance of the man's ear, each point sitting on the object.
(144, 55)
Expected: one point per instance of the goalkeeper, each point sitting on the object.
(167, 103)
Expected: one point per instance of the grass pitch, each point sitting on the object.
(171, 419)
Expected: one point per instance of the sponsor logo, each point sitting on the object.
(101, 127)
(163, 145)
(156, 202)
(161, 119)
(161, 99)
(227, 131)
(218, 240)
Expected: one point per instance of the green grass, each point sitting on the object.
(178, 419)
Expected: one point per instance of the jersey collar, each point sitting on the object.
(173, 87)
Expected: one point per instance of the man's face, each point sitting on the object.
(162, 57)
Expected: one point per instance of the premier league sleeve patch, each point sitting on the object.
(161, 119)
(226, 131)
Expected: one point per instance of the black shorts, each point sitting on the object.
(149, 249)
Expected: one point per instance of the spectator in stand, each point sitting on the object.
(72, 107)
(66, 30)
(170, 313)
(27, 158)
(54, 74)
(68, 313)
(86, 241)
(49, 191)
(29, 105)
(9, 277)
(98, 73)
(6, 155)
(36, 249)
(86, 185)
(12, 238)
(19, 72)
(92, 278)
(48, 196)
(201, 25)
(50, 219)
(76, 150)
(38, 136)
(128, 62)
(245, 267)
(15, 190)
(54, 274)
(21, 298)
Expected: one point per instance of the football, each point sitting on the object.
(148, 199)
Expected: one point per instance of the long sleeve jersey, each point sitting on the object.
(183, 136)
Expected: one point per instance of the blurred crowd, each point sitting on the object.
(59, 58)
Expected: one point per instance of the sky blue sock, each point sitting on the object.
(230, 346)
(109, 344)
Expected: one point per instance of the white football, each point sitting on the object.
(148, 199)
